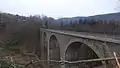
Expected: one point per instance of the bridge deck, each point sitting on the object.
(95, 36)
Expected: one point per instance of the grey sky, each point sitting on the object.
(59, 8)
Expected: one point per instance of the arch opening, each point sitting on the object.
(45, 47)
(79, 51)
(54, 51)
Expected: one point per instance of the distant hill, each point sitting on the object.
(111, 16)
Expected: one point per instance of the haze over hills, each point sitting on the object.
(110, 16)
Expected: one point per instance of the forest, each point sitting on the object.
(24, 28)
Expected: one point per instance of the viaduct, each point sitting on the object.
(73, 46)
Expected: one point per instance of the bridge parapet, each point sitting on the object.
(79, 34)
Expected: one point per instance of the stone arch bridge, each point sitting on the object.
(73, 46)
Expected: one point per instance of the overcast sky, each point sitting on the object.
(59, 8)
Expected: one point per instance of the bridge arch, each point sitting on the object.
(54, 50)
(87, 43)
(80, 50)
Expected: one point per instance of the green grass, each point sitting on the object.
(8, 49)
(5, 52)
